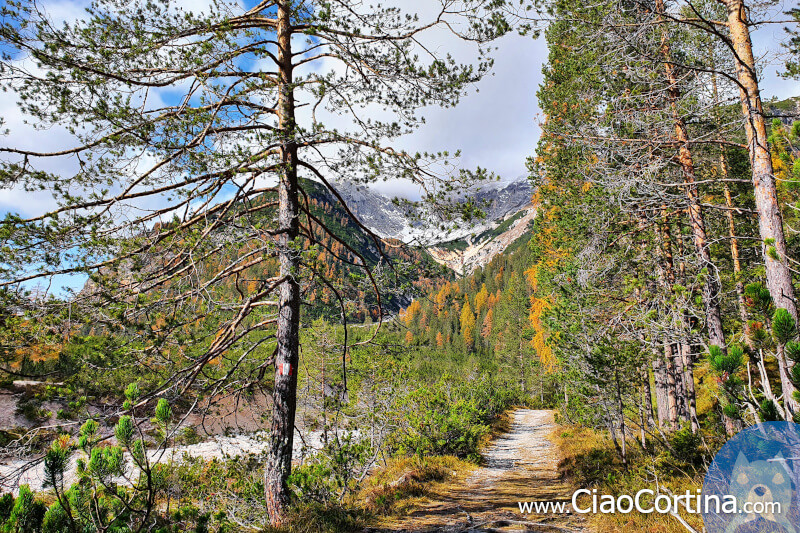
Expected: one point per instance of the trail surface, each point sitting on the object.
(520, 466)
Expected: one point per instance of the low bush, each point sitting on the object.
(591, 461)
(451, 417)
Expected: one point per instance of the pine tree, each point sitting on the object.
(161, 181)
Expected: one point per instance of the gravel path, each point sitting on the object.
(521, 465)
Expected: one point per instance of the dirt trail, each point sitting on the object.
(521, 466)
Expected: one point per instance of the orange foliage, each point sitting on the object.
(407, 315)
(467, 324)
(551, 256)
(486, 328)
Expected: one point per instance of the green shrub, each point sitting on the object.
(333, 471)
(686, 446)
(55, 520)
(6, 504)
(452, 416)
(784, 328)
(769, 411)
(312, 482)
(27, 513)
(32, 410)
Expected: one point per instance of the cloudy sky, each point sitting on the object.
(495, 126)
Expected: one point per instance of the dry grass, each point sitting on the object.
(590, 461)
(406, 483)
(502, 424)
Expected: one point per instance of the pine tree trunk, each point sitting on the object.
(734, 241)
(711, 288)
(611, 425)
(688, 375)
(666, 249)
(672, 398)
(662, 391)
(789, 402)
(647, 397)
(737, 263)
(324, 402)
(681, 393)
(663, 367)
(281, 437)
(642, 425)
(770, 222)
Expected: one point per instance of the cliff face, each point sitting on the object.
(382, 216)
(506, 200)
(508, 214)
(375, 210)
(464, 256)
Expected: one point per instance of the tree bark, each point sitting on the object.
(734, 241)
(647, 397)
(737, 263)
(281, 437)
(688, 376)
(610, 424)
(662, 391)
(790, 404)
(666, 248)
(681, 393)
(672, 397)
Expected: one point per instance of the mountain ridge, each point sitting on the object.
(387, 219)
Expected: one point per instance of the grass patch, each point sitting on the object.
(319, 518)
(500, 229)
(590, 461)
(393, 491)
(588, 456)
(408, 481)
(458, 245)
(499, 425)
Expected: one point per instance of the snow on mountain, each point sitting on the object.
(508, 215)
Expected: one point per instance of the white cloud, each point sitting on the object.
(495, 126)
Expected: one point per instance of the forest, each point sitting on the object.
(202, 329)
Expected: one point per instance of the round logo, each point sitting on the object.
(752, 485)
